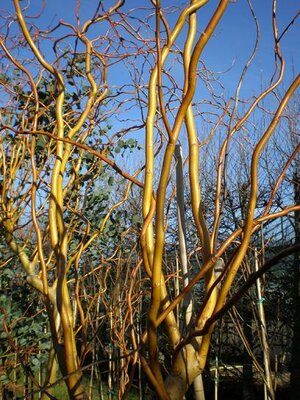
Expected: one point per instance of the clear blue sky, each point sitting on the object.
(228, 50)
(233, 39)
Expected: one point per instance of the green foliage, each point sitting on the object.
(95, 190)
(125, 145)
(26, 323)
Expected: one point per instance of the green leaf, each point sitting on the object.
(35, 361)
(136, 219)
(4, 379)
(131, 142)
(7, 273)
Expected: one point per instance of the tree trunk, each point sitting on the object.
(187, 302)
(185, 369)
(268, 386)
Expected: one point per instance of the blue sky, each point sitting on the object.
(228, 50)
(233, 39)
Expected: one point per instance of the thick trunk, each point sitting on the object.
(187, 302)
(186, 367)
(67, 351)
(51, 375)
(199, 393)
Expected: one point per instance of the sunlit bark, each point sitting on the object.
(44, 192)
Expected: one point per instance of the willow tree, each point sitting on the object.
(140, 70)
